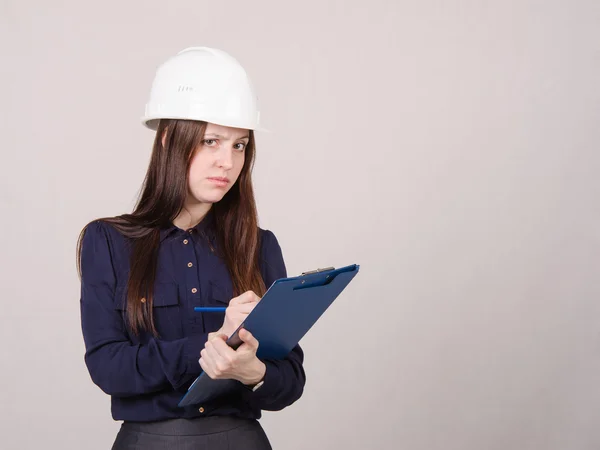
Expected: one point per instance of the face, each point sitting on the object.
(217, 163)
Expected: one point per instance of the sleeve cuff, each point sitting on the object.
(272, 382)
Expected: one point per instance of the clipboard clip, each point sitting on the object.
(317, 271)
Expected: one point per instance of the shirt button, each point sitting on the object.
(185, 241)
(190, 264)
(194, 290)
(201, 409)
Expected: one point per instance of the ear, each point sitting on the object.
(164, 137)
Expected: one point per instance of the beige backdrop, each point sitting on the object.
(450, 148)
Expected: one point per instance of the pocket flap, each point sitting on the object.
(165, 294)
(221, 293)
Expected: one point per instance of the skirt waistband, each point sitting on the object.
(189, 427)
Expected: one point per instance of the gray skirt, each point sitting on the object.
(215, 433)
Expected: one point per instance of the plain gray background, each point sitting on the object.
(450, 148)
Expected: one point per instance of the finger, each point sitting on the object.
(211, 351)
(248, 338)
(204, 356)
(207, 352)
(206, 363)
(203, 365)
(243, 308)
(217, 365)
(223, 350)
(246, 297)
(209, 368)
(215, 335)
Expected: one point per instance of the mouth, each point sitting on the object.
(219, 181)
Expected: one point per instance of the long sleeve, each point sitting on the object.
(284, 379)
(118, 366)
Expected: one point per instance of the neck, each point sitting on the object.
(191, 215)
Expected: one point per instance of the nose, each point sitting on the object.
(225, 158)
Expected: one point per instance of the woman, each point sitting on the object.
(192, 240)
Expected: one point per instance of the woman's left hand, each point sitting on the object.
(220, 361)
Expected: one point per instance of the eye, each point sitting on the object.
(209, 142)
(240, 146)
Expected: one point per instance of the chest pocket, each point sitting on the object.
(166, 310)
(220, 293)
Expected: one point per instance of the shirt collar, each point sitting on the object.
(203, 227)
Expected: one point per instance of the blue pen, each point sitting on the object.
(209, 309)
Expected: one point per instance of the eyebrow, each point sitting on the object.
(218, 136)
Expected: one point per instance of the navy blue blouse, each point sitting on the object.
(146, 376)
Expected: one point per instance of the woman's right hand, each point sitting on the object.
(237, 311)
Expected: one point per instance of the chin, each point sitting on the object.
(214, 198)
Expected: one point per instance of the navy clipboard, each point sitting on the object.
(286, 312)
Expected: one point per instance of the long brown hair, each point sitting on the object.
(162, 198)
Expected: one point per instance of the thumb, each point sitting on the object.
(217, 335)
(247, 338)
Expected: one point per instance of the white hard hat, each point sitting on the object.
(202, 83)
